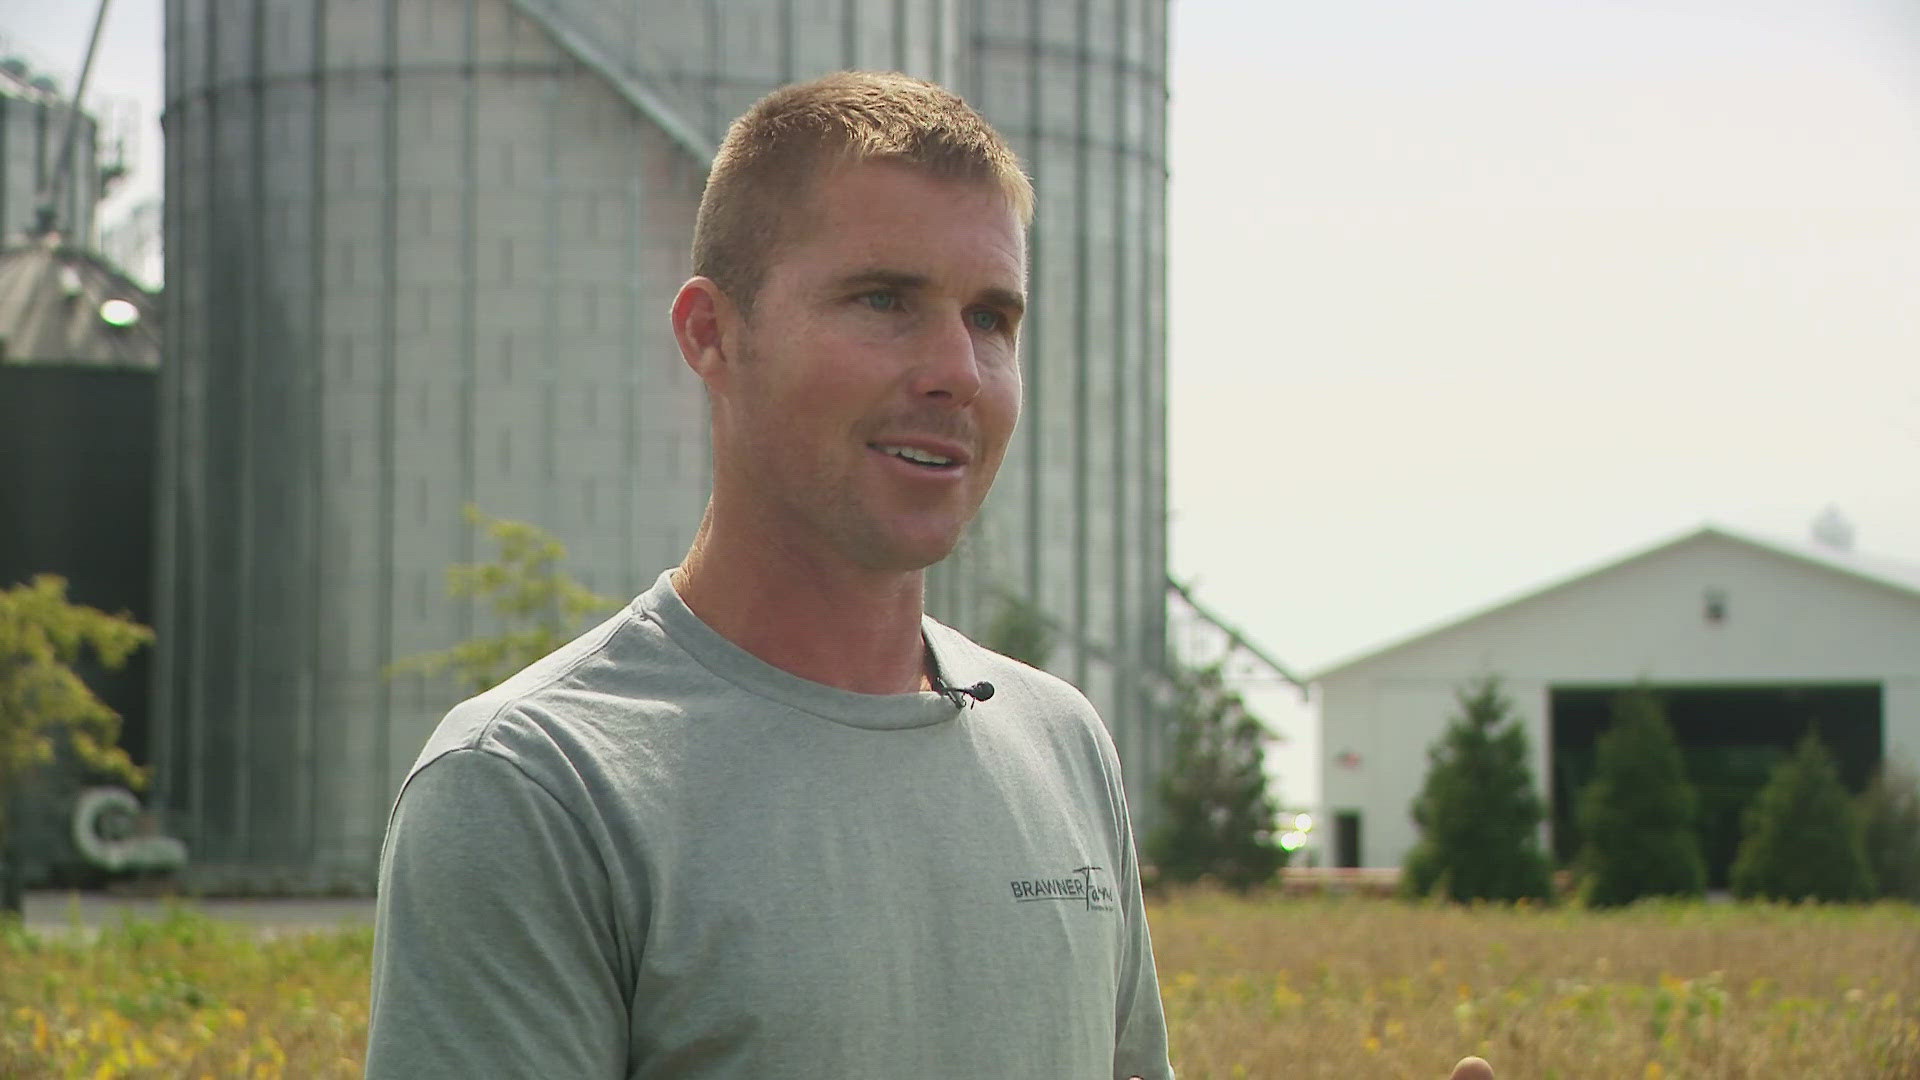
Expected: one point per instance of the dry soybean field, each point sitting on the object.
(1378, 988)
(1255, 987)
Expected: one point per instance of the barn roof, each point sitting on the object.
(1898, 574)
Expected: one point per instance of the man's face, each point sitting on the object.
(876, 382)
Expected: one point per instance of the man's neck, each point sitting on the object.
(847, 628)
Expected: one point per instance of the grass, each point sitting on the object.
(1257, 987)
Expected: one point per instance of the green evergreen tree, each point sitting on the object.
(539, 606)
(42, 700)
(1479, 813)
(1638, 815)
(1218, 819)
(1801, 839)
(1890, 818)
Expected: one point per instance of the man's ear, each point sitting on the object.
(705, 322)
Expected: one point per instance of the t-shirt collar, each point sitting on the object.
(662, 604)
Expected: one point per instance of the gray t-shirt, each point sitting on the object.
(652, 854)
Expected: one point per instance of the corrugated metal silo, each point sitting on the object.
(33, 122)
(1079, 519)
(79, 346)
(419, 254)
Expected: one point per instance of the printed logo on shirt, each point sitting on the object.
(1088, 885)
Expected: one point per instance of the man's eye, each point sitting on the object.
(881, 300)
(985, 320)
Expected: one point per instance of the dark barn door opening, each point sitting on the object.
(1731, 737)
(1346, 838)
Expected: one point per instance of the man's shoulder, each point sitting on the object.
(964, 655)
(567, 702)
(1039, 693)
(1043, 713)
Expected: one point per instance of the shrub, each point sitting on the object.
(538, 606)
(1801, 838)
(1217, 817)
(1479, 813)
(44, 637)
(1638, 814)
(1890, 817)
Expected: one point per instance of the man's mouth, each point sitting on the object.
(926, 459)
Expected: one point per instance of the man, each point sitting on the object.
(770, 820)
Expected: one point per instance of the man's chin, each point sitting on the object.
(907, 562)
(911, 554)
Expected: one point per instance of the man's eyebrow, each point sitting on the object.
(1009, 300)
(889, 279)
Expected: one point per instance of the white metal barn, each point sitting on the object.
(1749, 642)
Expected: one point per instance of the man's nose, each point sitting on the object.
(948, 364)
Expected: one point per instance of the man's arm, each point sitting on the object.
(494, 942)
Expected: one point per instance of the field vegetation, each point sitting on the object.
(1335, 987)
(1255, 986)
(179, 998)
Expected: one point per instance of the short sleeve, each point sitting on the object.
(495, 952)
(1140, 1024)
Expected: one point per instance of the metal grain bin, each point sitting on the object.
(79, 349)
(1079, 522)
(420, 254)
(33, 122)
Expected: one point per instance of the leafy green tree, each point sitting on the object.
(1217, 817)
(1638, 815)
(1890, 817)
(43, 635)
(1802, 838)
(539, 605)
(1479, 813)
(1020, 630)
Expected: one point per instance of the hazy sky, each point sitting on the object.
(1469, 296)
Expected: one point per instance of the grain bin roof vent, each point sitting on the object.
(1832, 529)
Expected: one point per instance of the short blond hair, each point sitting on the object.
(765, 168)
